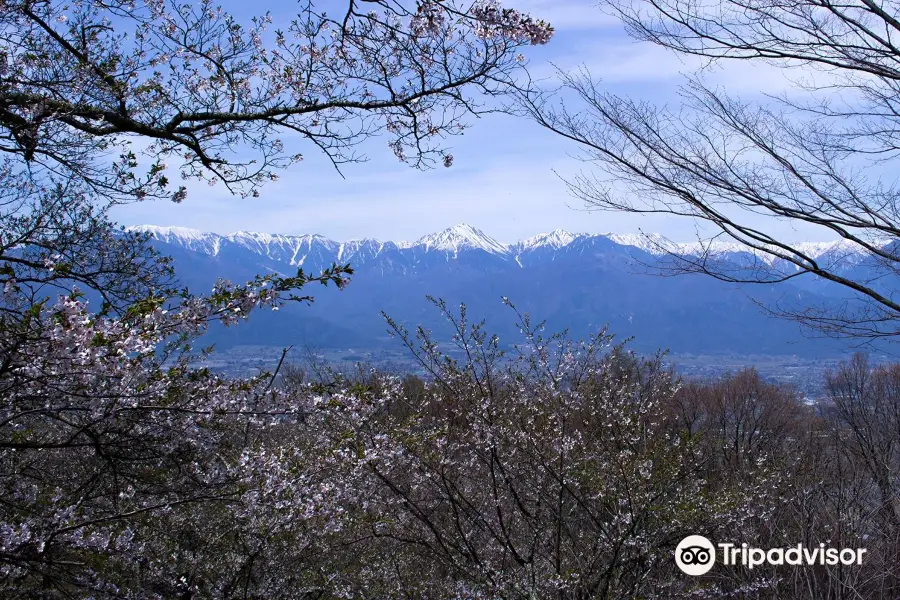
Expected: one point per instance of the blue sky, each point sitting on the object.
(503, 179)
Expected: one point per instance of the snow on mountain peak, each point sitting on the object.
(558, 238)
(183, 233)
(193, 239)
(651, 243)
(461, 236)
(294, 249)
(658, 245)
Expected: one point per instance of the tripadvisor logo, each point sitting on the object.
(695, 555)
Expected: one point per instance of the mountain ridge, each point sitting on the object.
(463, 236)
(579, 282)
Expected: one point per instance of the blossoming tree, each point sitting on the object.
(116, 449)
(556, 470)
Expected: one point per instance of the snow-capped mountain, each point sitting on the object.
(658, 245)
(558, 238)
(573, 280)
(317, 250)
(284, 248)
(461, 237)
(190, 239)
(651, 243)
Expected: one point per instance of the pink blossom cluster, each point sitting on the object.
(494, 20)
(200, 84)
(91, 401)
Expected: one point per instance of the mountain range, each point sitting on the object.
(576, 281)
